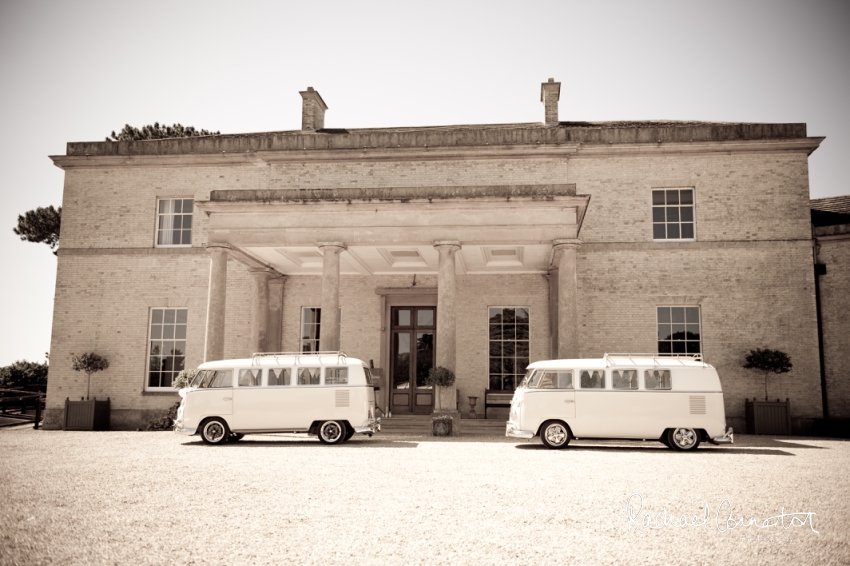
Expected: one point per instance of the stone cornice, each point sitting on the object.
(566, 150)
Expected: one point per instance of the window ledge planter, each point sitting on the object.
(768, 417)
(86, 415)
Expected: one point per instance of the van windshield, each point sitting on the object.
(527, 381)
(199, 377)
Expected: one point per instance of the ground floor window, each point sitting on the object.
(679, 330)
(167, 346)
(311, 325)
(509, 331)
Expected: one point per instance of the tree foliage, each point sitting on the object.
(440, 377)
(22, 373)
(41, 226)
(158, 132)
(768, 361)
(89, 363)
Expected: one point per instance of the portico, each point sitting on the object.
(434, 233)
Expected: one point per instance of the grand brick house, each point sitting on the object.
(479, 248)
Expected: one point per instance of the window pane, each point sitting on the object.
(178, 206)
(187, 223)
(687, 231)
(156, 332)
(177, 223)
(156, 316)
(402, 317)
(187, 205)
(522, 348)
(679, 347)
(508, 332)
(522, 332)
(336, 376)
(659, 231)
(495, 332)
(495, 348)
(182, 316)
(673, 196)
(309, 376)
(425, 317)
(496, 365)
(169, 316)
(153, 379)
(657, 197)
(249, 377)
(673, 232)
(495, 315)
(687, 213)
(496, 382)
(508, 349)
(624, 379)
(508, 316)
(664, 348)
(187, 237)
(693, 347)
(673, 214)
(664, 315)
(658, 214)
(686, 196)
(678, 314)
(665, 332)
(521, 315)
(565, 380)
(692, 315)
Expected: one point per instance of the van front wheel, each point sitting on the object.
(331, 432)
(554, 434)
(682, 439)
(215, 431)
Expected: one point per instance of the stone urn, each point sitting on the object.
(472, 402)
(441, 426)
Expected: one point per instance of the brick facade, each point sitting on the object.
(749, 268)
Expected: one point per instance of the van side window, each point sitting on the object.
(592, 379)
(624, 379)
(280, 376)
(218, 378)
(309, 376)
(657, 379)
(556, 380)
(250, 377)
(336, 376)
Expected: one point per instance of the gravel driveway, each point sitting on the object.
(159, 498)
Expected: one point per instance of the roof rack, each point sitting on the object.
(340, 355)
(656, 358)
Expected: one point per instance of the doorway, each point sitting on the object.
(412, 333)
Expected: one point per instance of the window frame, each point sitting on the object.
(150, 340)
(581, 387)
(318, 326)
(670, 339)
(158, 214)
(518, 375)
(665, 206)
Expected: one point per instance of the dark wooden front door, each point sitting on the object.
(411, 358)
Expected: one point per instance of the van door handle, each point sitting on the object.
(228, 398)
(568, 400)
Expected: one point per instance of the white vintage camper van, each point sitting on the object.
(325, 393)
(674, 399)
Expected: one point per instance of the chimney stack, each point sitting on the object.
(312, 110)
(549, 94)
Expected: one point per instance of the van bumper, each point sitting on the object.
(728, 438)
(373, 426)
(180, 429)
(513, 431)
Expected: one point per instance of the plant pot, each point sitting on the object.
(768, 417)
(441, 426)
(86, 415)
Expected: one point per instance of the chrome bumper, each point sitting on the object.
(179, 429)
(727, 438)
(371, 427)
(512, 431)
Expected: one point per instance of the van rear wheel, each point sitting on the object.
(331, 432)
(215, 431)
(683, 439)
(554, 434)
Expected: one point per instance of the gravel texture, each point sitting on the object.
(159, 498)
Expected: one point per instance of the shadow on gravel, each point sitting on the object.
(659, 449)
(246, 443)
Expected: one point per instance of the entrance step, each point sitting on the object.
(421, 425)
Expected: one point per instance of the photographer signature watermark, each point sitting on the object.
(724, 519)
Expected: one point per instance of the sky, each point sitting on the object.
(77, 70)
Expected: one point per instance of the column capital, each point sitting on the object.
(218, 248)
(447, 244)
(333, 247)
(565, 243)
(256, 271)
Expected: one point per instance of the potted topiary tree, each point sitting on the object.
(768, 417)
(441, 425)
(87, 414)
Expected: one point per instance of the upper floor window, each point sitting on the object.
(311, 326)
(679, 330)
(174, 222)
(673, 214)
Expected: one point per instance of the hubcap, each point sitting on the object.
(214, 432)
(331, 431)
(684, 437)
(556, 435)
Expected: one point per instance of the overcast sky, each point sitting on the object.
(75, 71)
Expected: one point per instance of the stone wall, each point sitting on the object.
(835, 317)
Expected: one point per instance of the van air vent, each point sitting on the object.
(697, 404)
(342, 398)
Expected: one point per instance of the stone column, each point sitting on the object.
(214, 337)
(260, 310)
(274, 337)
(446, 339)
(567, 298)
(329, 329)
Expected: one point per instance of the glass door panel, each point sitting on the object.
(410, 362)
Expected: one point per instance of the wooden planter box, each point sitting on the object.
(768, 417)
(86, 415)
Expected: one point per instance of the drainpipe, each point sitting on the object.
(820, 269)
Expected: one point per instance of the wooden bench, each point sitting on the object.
(496, 398)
